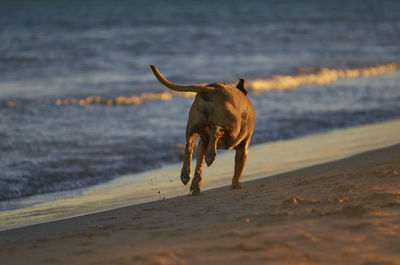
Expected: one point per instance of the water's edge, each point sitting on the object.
(264, 160)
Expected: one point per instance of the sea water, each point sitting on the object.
(79, 105)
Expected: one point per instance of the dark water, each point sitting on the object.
(74, 49)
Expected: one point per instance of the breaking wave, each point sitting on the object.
(318, 76)
(321, 76)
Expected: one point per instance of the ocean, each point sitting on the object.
(79, 105)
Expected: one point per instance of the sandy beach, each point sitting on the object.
(341, 212)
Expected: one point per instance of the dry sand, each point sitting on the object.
(343, 212)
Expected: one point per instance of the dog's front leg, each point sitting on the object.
(186, 168)
(215, 133)
(240, 161)
(196, 182)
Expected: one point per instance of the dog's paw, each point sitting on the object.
(210, 157)
(195, 190)
(195, 187)
(196, 193)
(185, 175)
(236, 186)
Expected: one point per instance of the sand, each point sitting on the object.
(342, 212)
(264, 160)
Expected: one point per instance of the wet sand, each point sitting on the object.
(342, 212)
(264, 160)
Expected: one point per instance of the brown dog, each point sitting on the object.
(224, 118)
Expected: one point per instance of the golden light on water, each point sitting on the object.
(321, 76)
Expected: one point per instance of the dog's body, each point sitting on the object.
(223, 117)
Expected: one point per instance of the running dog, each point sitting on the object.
(223, 117)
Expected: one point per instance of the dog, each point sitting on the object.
(223, 116)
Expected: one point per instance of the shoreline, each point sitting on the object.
(265, 160)
(341, 212)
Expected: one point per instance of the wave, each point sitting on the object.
(318, 76)
(321, 76)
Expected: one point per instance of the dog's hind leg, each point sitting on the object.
(186, 168)
(196, 182)
(240, 161)
(215, 133)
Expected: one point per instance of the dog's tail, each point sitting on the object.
(165, 82)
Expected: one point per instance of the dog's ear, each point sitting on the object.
(240, 86)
